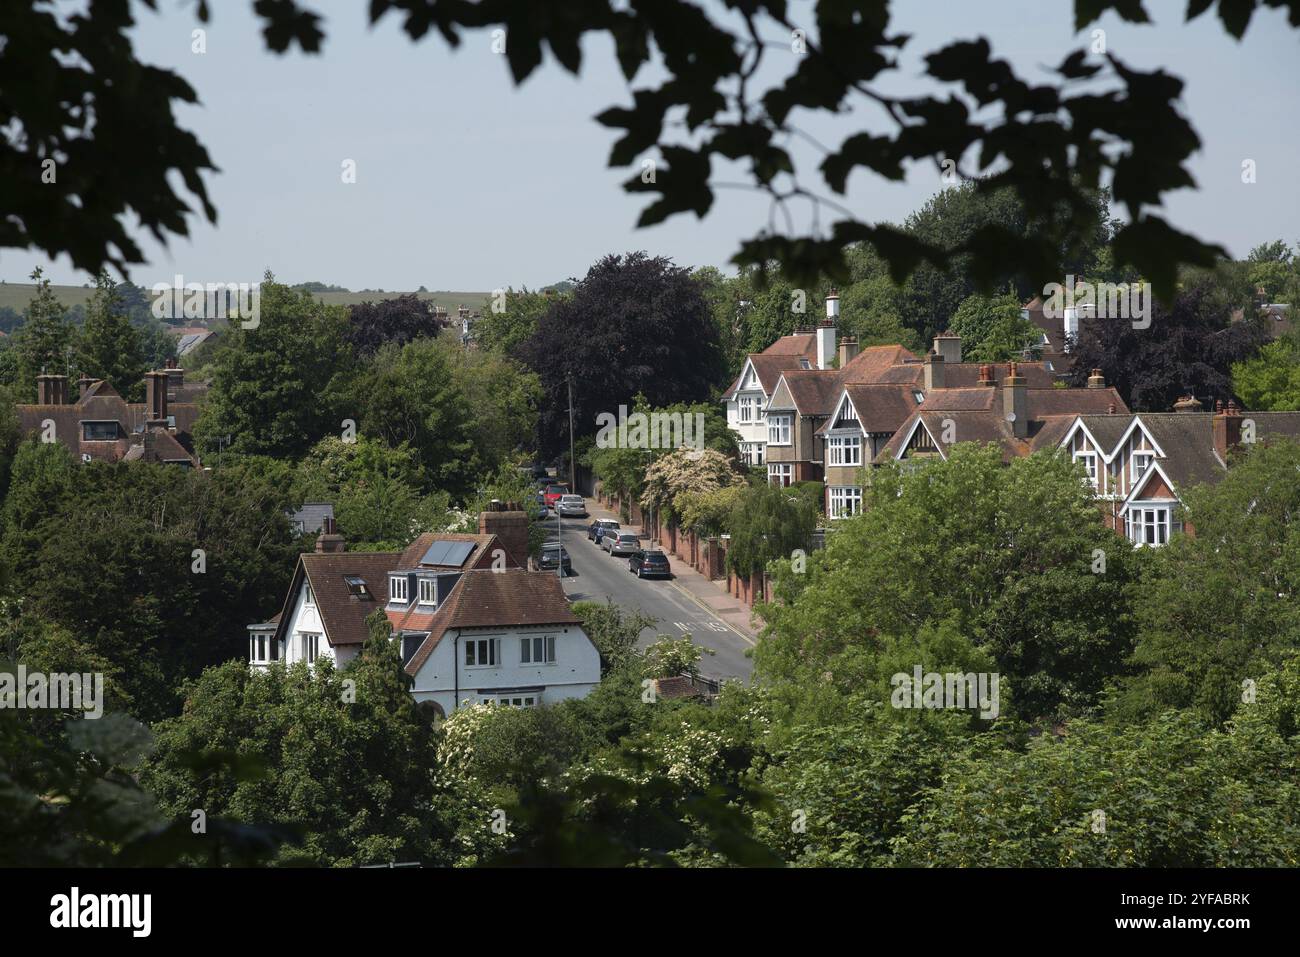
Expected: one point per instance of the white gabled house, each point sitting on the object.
(506, 637)
(1139, 464)
(473, 625)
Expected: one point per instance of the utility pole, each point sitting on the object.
(573, 465)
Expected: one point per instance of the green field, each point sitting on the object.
(16, 295)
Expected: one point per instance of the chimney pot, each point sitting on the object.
(1096, 380)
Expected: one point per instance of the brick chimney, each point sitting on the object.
(986, 375)
(175, 378)
(1096, 380)
(1015, 402)
(1188, 403)
(509, 523)
(155, 398)
(848, 349)
(934, 371)
(329, 539)
(51, 389)
(1227, 429)
(84, 383)
(948, 345)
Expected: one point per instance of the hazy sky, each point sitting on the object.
(465, 182)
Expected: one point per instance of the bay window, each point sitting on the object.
(778, 429)
(844, 450)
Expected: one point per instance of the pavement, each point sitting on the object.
(688, 603)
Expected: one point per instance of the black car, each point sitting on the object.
(598, 528)
(554, 556)
(650, 564)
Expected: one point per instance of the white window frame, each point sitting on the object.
(1134, 474)
(844, 500)
(512, 700)
(780, 425)
(428, 591)
(844, 450)
(1089, 461)
(479, 648)
(749, 407)
(308, 596)
(310, 644)
(530, 646)
(1150, 526)
(397, 589)
(783, 471)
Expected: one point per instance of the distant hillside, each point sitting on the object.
(448, 300)
(16, 295)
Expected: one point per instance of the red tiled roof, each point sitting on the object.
(486, 599)
(342, 613)
(786, 353)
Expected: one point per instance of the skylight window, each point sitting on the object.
(357, 586)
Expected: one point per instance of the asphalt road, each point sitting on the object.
(598, 576)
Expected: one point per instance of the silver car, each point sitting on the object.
(624, 543)
(571, 506)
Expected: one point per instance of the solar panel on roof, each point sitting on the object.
(443, 552)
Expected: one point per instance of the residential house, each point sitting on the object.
(101, 425)
(1013, 415)
(1139, 464)
(473, 625)
(748, 396)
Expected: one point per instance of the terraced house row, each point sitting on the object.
(814, 407)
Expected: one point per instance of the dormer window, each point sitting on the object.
(99, 431)
(428, 591)
(397, 589)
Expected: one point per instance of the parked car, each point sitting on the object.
(622, 543)
(650, 564)
(554, 493)
(599, 527)
(572, 506)
(540, 510)
(554, 555)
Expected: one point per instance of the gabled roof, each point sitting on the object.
(810, 391)
(879, 408)
(785, 354)
(978, 415)
(342, 613)
(483, 598)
